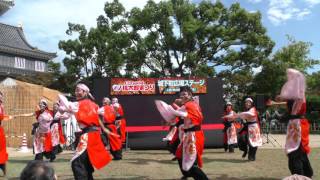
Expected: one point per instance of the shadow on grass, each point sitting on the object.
(161, 161)
(207, 160)
(147, 161)
(131, 178)
(14, 178)
(62, 160)
(226, 177)
(146, 152)
(25, 161)
(216, 152)
(120, 178)
(22, 161)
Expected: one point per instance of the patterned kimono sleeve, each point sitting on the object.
(297, 106)
(101, 111)
(62, 116)
(230, 116)
(72, 107)
(181, 112)
(248, 115)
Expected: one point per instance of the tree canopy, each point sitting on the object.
(273, 74)
(180, 38)
(169, 38)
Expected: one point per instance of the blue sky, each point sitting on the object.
(45, 21)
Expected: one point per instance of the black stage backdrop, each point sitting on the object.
(144, 122)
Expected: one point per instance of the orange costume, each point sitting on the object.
(42, 138)
(90, 140)
(123, 123)
(109, 117)
(297, 140)
(90, 152)
(3, 149)
(230, 131)
(190, 150)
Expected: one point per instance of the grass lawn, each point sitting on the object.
(157, 164)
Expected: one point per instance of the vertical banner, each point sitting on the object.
(128, 86)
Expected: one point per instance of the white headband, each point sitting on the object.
(249, 99)
(115, 99)
(83, 87)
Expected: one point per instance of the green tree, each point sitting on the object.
(169, 38)
(79, 53)
(181, 38)
(273, 74)
(237, 84)
(313, 83)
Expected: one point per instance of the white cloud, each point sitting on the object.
(312, 3)
(303, 13)
(281, 3)
(129, 4)
(46, 21)
(282, 10)
(254, 1)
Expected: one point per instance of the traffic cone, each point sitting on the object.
(24, 145)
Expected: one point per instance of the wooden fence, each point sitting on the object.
(20, 98)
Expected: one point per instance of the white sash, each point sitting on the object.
(254, 135)
(293, 139)
(55, 136)
(38, 142)
(189, 151)
(170, 135)
(232, 134)
(82, 146)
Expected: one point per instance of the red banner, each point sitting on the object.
(145, 86)
(126, 86)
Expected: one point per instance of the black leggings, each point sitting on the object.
(48, 155)
(82, 167)
(3, 167)
(194, 171)
(243, 144)
(299, 163)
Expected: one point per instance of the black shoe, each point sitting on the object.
(52, 159)
(244, 154)
(4, 169)
(231, 150)
(225, 147)
(251, 158)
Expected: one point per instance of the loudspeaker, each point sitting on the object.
(261, 101)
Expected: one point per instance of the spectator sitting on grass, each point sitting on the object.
(38, 170)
